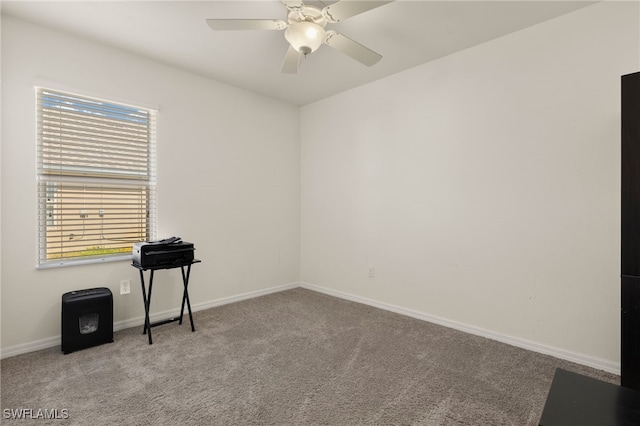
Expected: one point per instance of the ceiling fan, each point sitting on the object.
(305, 31)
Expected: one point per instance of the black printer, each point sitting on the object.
(164, 253)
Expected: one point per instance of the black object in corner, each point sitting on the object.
(577, 400)
(630, 232)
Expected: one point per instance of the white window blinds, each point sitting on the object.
(96, 178)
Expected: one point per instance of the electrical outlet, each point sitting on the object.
(372, 272)
(125, 286)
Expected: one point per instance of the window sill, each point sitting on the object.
(89, 261)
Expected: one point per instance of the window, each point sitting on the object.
(96, 178)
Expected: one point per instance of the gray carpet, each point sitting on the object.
(291, 358)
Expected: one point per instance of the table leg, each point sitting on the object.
(185, 296)
(147, 305)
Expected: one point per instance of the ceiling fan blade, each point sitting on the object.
(246, 24)
(342, 10)
(291, 61)
(352, 48)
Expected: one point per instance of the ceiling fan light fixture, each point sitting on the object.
(305, 36)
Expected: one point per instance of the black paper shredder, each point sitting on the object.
(87, 318)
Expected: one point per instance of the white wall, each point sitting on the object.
(228, 163)
(483, 187)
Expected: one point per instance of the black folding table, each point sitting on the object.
(146, 294)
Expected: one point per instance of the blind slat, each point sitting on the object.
(67, 101)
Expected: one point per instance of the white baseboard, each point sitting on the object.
(53, 341)
(157, 316)
(36, 345)
(510, 340)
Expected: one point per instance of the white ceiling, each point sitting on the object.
(406, 32)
